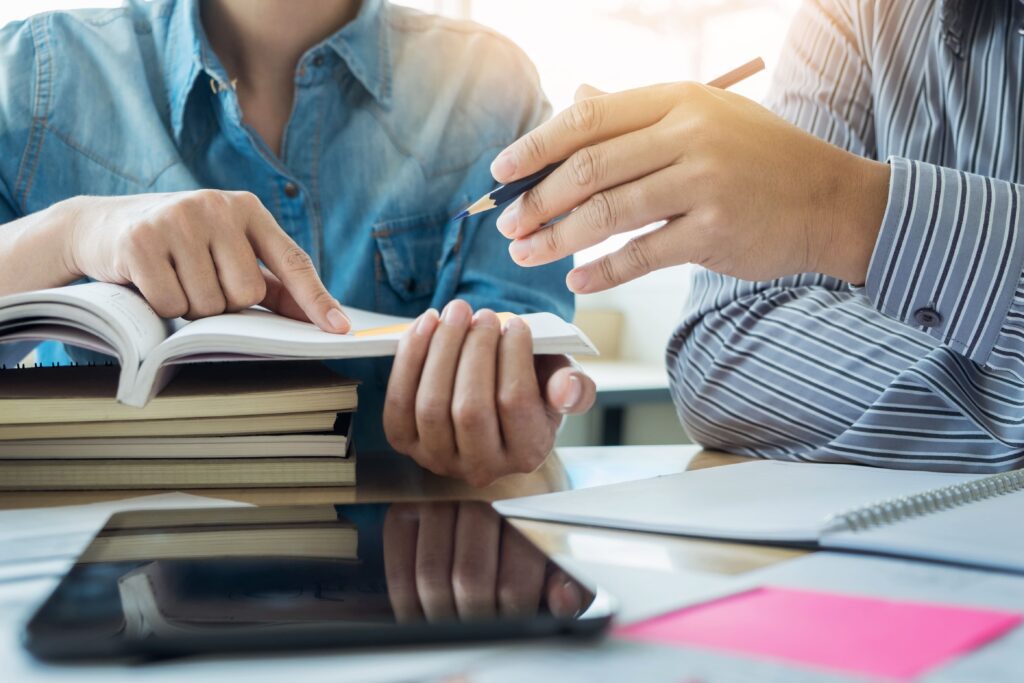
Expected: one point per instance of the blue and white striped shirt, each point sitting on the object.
(922, 367)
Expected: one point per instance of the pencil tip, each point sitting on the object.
(462, 214)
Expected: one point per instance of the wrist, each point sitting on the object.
(858, 216)
(63, 220)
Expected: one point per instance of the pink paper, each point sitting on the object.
(892, 639)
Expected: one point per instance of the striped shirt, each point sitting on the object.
(923, 366)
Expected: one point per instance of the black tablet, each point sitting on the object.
(161, 583)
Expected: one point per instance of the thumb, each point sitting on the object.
(280, 300)
(570, 391)
(586, 91)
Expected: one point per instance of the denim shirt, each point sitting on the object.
(395, 120)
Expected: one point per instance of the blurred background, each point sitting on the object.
(614, 45)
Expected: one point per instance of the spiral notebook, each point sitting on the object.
(962, 518)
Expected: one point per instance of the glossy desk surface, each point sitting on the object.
(390, 477)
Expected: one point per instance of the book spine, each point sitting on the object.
(906, 507)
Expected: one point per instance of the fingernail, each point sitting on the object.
(426, 323)
(572, 398)
(455, 313)
(515, 323)
(338, 321)
(506, 222)
(485, 317)
(520, 250)
(577, 279)
(503, 167)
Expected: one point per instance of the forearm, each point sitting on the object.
(949, 261)
(34, 250)
(805, 369)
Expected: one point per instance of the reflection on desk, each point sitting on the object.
(646, 572)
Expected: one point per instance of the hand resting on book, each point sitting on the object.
(191, 254)
(469, 399)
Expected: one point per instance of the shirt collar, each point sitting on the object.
(363, 44)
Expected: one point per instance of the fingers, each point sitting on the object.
(584, 123)
(401, 526)
(589, 174)
(475, 561)
(586, 91)
(279, 300)
(158, 282)
(434, 561)
(436, 387)
(567, 389)
(241, 279)
(294, 269)
(198, 277)
(526, 428)
(653, 250)
(520, 574)
(474, 413)
(609, 212)
(400, 400)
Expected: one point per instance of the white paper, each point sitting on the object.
(765, 500)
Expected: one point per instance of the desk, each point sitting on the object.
(387, 476)
(648, 572)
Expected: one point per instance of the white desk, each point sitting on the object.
(648, 573)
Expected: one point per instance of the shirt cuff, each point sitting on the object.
(948, 258)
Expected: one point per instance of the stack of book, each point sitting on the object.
(213, 425)
(168, 416)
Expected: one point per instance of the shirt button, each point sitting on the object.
(318, 60)
(927, 317)
(291, 190)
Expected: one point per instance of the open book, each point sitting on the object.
(964, 518)
(116, 321)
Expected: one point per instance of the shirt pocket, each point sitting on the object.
(409, 255)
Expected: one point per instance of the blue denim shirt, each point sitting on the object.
(395, 120)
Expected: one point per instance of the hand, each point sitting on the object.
(447, 561)
(466, 399)
(743, 192)
(196, 254)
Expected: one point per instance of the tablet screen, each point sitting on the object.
(170, 582)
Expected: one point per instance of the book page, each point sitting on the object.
(116, 314)
(259, 332)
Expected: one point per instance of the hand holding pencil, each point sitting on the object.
(740, 190)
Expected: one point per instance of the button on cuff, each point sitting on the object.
(927, 317)
(291, 190)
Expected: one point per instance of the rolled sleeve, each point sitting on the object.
(949, 259)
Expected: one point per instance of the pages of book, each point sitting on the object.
(104, 316)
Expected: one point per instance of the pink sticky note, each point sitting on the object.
(891, 639)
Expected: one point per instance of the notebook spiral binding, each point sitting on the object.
(925, 503)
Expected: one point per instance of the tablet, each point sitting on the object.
(160, 583)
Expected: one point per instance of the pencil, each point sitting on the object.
(506, 193)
